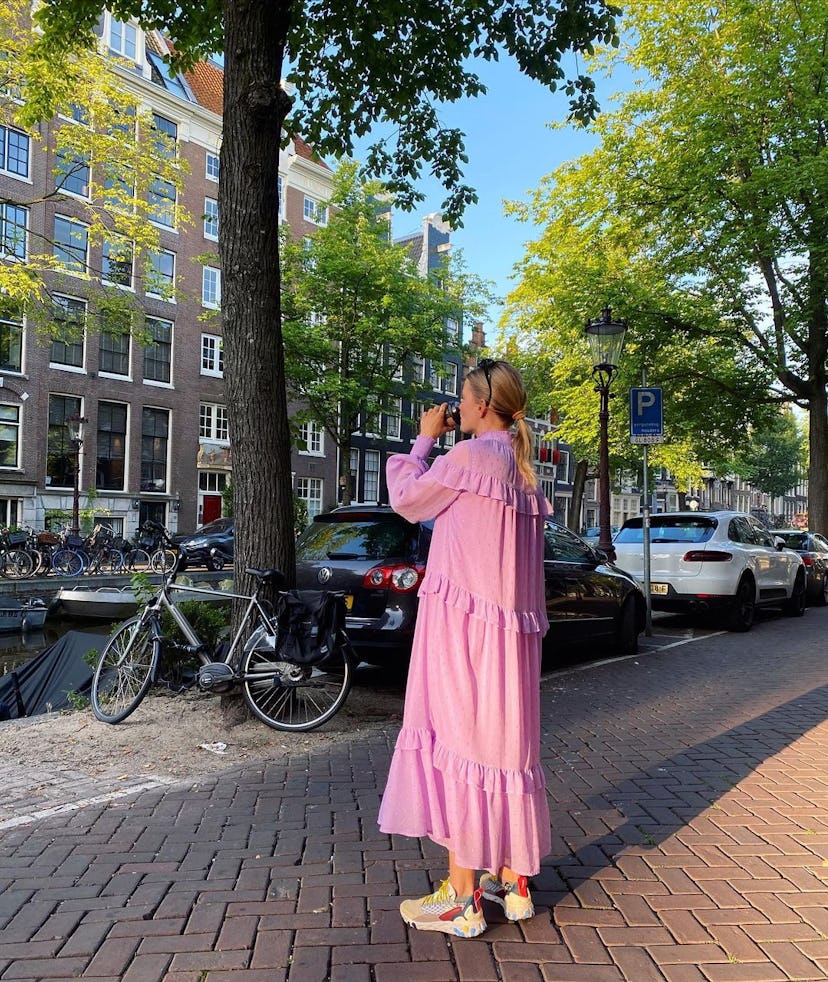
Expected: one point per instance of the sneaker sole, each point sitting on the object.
(522, 915)
(467, 930)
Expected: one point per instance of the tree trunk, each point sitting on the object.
(255, 107)
(818, 447)
(578, 485)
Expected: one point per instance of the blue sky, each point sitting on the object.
(510, 148)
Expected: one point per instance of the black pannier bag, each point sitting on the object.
(309, 624)
(16, 539)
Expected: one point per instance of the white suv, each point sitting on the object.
(722, 560)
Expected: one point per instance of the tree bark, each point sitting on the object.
(578, 485)
(255, 107)
(818, 447)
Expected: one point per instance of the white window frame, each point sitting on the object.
(212, 355)
(4, 152)
(211, 171)
(4, 222)
(211, 287)
(372, 456)
(314, 439)
(149, 291)
(393, 419)
(211, 219)
(168, 211)
(122, 48)
(310, 490)
(73, 223)
(315, 211)
(81, 163)
(14, 424)
(451, 379)
(123, 286)
(213, 423)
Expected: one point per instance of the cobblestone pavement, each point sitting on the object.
(689, 798)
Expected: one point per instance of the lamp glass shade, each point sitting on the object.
(75, 425)
(606, 340)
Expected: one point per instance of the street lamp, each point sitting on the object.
(606, 339)
(74, 424)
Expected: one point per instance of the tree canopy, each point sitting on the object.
(702, 217)
(357, 313)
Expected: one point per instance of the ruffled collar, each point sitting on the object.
(499, 436)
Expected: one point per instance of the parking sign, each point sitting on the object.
(646, 420)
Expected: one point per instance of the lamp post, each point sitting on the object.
(75, 426)
(606, 339)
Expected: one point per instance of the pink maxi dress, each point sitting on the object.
(466, 768)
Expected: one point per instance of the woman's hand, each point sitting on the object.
(434, 422)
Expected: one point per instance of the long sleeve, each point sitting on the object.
(413, 490)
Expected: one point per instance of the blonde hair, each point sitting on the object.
(508, 399)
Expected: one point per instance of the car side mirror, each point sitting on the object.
(778, 543)
(601, 554)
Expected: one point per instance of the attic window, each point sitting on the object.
(161, 73)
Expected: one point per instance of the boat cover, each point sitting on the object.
(43, 684)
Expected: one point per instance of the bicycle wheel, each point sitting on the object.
(67, 562)
(124, 670)
(111, 561)
(137, 561)
(162, 560)
(18, 564)
(288, 696)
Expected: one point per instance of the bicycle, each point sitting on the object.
(15, 561)
(68, 558)
(295, 665)
(158, 544)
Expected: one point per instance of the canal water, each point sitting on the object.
(17, 648)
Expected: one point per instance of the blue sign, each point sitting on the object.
(646, 420)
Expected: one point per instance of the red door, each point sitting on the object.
(210, 508)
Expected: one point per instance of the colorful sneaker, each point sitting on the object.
(444, 911)
(514, 898)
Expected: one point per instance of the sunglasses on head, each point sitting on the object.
(486, 365)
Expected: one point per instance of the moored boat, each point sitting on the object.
(22, 615)
(107, 603)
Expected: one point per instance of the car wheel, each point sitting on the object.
(795, 606)
(743, 611)
(626, 631)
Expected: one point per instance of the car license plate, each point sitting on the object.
(660, 588)
(349, 601)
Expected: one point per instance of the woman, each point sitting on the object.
(466, 769)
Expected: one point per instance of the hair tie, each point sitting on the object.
(520, 414)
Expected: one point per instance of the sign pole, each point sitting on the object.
(645, 535)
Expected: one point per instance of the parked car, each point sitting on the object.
(593, 534)
(378, 560)
(210, 546)
(813, 548)
(724, 560)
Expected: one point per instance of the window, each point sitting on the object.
(158, 353)
(155, 430)
(315, 211)
(434, 377)
(418, 368)
(14, 222)
(309, 489)
(280, 186)
(71, 244)
(118, 186)
(212, 166)
(116, 264)
(450, 438)
(113, 352)
(164, 135)
(123, 39)
(162, 199)
(72, 174)
(450, 381)
(161, 274)
(212, 355)
(371, 463)
(11, 344)
(9, 436)
(563, 547)
(14, 152)
(313, 438)
(211, 218)
(213, 423)
(211, 287)
(393, 419)
(60, 454)
(110, 472)
(68, 348)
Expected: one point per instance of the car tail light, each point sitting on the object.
(808, 560)
(707, 556)
(403, 579)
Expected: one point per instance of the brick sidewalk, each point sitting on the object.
(689, 795)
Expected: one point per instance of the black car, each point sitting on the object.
(377, 559)
(210, 546)
(813, 548)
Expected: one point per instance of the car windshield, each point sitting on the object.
(380, 539)
(794, 540)
(669, 528)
